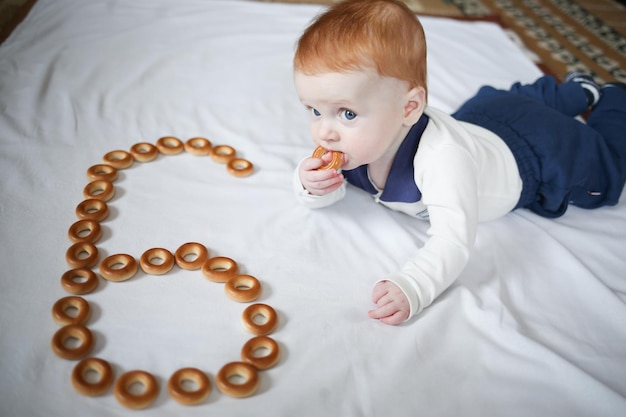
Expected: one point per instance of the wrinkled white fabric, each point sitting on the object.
(532, 326)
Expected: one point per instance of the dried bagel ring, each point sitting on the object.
(136, 401)
(219, 269)
(118, 267)
(223, 153)
(144, 152)
(196, 250)
(74, 255)
(169, 145)
(72, 331)
(92, 388)
(336, 161)
(79, 281)
(102, 172)
(61, 307)
(243, 288)
(239, 167)
(268, 323)
(149, 267)
(92, 209)
(100, 190)
(198, 146)
(118, 159)
(248, 352)
(85, 231)
(245, 371)
(189, 397)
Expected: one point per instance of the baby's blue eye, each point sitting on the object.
(315, 112)
(348, 114)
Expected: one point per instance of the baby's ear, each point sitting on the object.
(414, 105)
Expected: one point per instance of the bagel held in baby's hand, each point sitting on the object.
(320, 174)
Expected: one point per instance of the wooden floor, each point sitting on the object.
(11, 13)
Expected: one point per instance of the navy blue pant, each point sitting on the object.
(561, 160)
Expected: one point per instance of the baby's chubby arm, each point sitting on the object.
(319, 182)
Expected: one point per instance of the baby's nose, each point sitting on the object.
(327, 133)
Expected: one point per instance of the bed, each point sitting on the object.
(535, 325)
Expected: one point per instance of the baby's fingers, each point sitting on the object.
(380, 290)
(324, 186)
(388, 314)
(382, 311)
(392, 305)
(310, 164)
(397, 318)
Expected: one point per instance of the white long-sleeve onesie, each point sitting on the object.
(466, 174)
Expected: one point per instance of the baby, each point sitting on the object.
(360, 71)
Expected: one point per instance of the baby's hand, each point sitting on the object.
(392, 305)
(319, 182)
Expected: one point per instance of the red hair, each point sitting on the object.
(353, 34)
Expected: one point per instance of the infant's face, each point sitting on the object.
(358, 113)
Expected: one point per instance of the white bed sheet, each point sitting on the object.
(535, 325)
